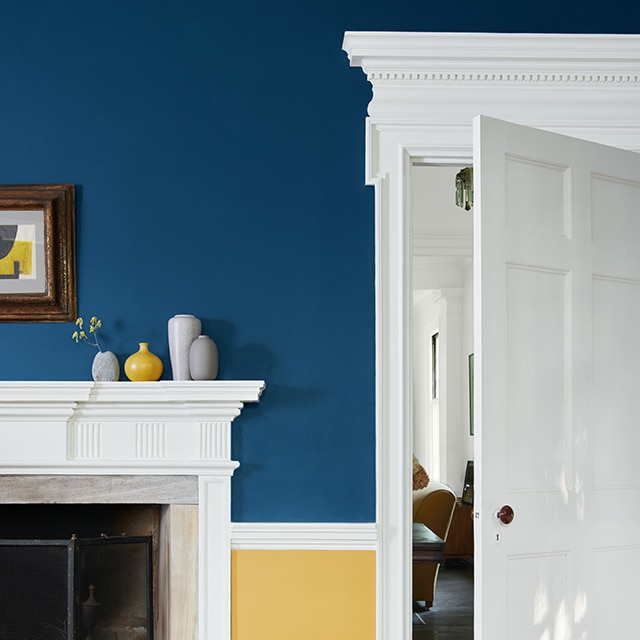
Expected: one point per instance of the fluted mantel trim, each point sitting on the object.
(119, 427)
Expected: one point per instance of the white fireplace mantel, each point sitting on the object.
(137, 429)
(121, 427)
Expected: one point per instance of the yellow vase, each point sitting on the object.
(143, 366)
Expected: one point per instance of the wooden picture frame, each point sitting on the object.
(37, 253)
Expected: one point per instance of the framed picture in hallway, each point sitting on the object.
(37, 253)
(471, 394)
(467, 490)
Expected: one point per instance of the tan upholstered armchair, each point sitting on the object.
(433, 506)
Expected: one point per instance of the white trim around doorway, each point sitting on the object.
(427, 88)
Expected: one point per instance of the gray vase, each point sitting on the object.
(203, 359)
(105, 367)
(183, 330)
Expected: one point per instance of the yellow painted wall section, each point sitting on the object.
(310, 594)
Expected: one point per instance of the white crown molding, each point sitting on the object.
(554, 81)
(597, 56)
(424, 299)
(304, 535)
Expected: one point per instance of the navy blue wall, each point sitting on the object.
(218, 153)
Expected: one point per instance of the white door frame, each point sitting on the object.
(427, 89)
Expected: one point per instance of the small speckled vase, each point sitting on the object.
(105, 367)
(143, 366)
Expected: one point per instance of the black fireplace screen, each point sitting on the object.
(91, 589)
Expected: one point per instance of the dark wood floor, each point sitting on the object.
(451, 617)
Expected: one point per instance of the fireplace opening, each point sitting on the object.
(49, 589)
(62, 563)
(62, 521)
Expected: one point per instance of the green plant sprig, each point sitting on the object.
(80, 335)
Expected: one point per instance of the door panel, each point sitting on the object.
(530, 334)
(557, 342)
(616, 614)
(615, 397)
(612, 201)
(537, 584)
(539, 204)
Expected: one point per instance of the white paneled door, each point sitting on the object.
(557, 355)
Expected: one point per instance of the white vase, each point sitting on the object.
(183, 330)
(203, 359)
(105, 367)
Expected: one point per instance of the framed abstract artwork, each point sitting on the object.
(37, 253)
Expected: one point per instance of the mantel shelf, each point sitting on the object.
(161, 391)
(171, 427)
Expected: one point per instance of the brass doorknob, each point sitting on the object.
(505, 515)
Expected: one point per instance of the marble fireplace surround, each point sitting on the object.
(166, 443)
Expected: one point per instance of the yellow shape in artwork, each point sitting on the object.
(22, 253)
